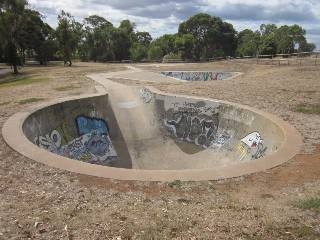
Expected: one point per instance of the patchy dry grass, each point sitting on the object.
(311, 204)
(175, 183)
(19, 82)
(66, 88)
(305, 232)
(308, 109)
(4, 103)
(30, 100)
(40, 202)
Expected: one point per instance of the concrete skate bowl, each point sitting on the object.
(192, 76)
(184, 138)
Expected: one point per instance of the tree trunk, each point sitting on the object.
(15, 69)
(69, 60)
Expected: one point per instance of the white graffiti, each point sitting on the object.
(252, 143)
(51, 141)
(222, 139)
(145, 95)
(252, 140)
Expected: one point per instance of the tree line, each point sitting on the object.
(23, 33)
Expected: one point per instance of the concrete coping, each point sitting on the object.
(15, 138)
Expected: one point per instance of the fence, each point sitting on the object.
(283, 62)
(295, 59)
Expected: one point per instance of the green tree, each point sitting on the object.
(166, 43)
(94, 21)
(287, 37)
(213, 36)
(2, 49)
(185, 46)
(96, 44)
(144, 38)
(138, 52)
(268, 44)
(128, 27)
(37, 36)
(307, 47)
(140, 46)
(267, 29)
(120, 44)
(46, 50)
(68, 34)
(155, 53)
(248, 43)
(284, 39)
(12, 18)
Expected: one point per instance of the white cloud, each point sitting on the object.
(164, 16)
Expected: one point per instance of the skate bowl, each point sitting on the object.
(158, 137)
(192, 76)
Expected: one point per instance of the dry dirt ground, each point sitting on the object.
(39, 202)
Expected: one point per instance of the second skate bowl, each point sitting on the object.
(158, 137)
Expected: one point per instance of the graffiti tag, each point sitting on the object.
(201, 131)
(145, 95)
(92, 144)
(252, 143)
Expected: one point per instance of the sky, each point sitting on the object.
(163, 17)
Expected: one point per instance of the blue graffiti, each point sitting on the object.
(98, 145)
(88, 125)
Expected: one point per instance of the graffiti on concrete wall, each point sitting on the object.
(196, 128)
(222, 139)
(252, 139)
(251, 144)
(51, 141)
(92, 144)
(145, 95)
(198, 76)
(88, 125)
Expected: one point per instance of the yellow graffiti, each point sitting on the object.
(242, 148)
(86, 158)
(64, 132)
(243, 151)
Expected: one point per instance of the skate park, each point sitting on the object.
(140, 133)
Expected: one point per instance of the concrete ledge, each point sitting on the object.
(13, 135)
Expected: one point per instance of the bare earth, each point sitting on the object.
(39, 202)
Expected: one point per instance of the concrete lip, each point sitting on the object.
(20, 129)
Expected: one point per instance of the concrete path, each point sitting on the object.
(140, 75)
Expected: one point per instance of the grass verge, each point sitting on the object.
(308, 109)
(4, 103)
(30, 100)
(65, 88)
(311, 204)
(24, 81)
(305, 232)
